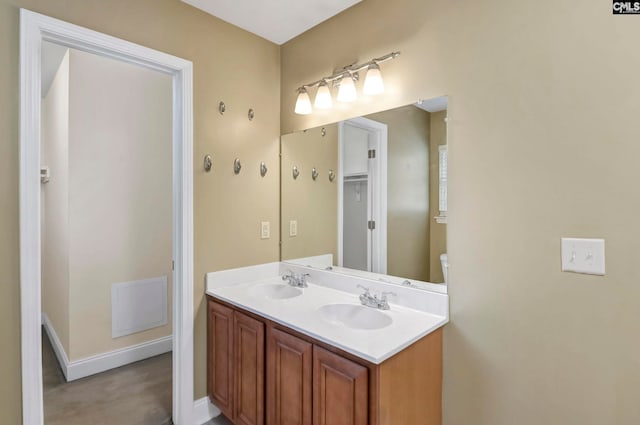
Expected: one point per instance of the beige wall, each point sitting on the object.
(408, 223)
(120, 193)
(313, 204)
(230, 65)
(438, 231)
(54, 146)
(543, 143)
(107, 208)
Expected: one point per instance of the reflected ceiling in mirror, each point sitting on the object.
(369, 194)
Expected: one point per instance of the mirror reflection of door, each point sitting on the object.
(361, 207)
(106, 199)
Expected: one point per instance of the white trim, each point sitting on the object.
(102, 362)
(340, 259)
(379, 256)
(58, 348)
(204, 411)
(88, 366)
(35, 28)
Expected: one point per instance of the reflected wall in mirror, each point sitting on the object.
(385, 210)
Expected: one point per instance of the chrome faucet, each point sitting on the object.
(296, 280)
(369, 300)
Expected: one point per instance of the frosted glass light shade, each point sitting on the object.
(373, 83)
(303, 103)
(347, 90)
(323, 97)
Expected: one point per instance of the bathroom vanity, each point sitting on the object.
(282, 354)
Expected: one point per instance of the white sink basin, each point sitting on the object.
(275, 291)
(354, 316)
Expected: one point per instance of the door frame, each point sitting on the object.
(34, 29)
(377, 189)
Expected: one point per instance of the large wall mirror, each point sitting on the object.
(369, 194)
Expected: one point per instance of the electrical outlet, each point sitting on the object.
(293, 228)
(265, 230)
(583, 255)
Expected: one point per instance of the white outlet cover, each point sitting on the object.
(265, 230)
(583, 256)
(293, 228)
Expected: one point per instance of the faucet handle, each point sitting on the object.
(384, 295)
(383, 302)
(366, 290)
(287, 275)
(302, 279)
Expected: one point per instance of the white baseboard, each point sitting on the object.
(204, 411)
(58, 349)
(102, 362)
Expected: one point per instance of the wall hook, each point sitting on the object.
(332, 175)
(295, 172)
(237, 166)
(222, 107)
(263, 169)
(207, 163)
(251, 114)
(323, 132)
(314, 173)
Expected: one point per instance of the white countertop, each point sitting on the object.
(301, 313)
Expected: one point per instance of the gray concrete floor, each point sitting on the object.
(220, 420)
(136, 394)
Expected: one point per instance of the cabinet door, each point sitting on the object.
(249, 370)
(289, 375)
(220, 357)
(340, 395)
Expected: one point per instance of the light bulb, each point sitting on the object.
(323, 97)
(303, 103)
(347, 90)
(373, 83)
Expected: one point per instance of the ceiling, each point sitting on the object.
(436, 104)
(276, 20)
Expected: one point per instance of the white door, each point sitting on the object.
(362, 196)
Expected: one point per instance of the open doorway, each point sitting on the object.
(36, 29)
(106, 239)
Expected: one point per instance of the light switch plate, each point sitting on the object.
(265, 230)
(293, 228)
(583, 255)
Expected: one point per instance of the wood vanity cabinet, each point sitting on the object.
(289, 379)
(341, 390)
(248, 405)
(220, 357)
(308, 382)
(235, 369)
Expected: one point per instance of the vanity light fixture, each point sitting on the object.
(347, 91)
(373, 83)
(303, 104)
(345, 79)
(323, 97)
